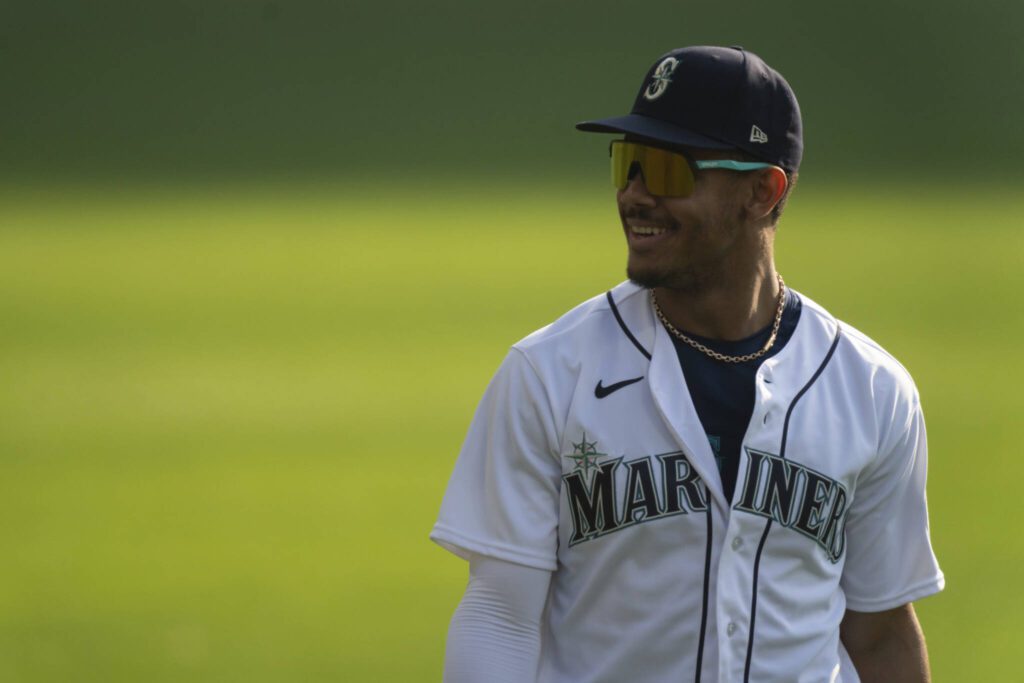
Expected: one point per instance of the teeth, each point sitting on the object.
(646, 230)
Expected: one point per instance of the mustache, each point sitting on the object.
(648, 217)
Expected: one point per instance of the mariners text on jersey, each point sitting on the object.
(598, 510)
(794, 496)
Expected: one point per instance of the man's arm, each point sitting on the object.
(886, 646)
(494, 636)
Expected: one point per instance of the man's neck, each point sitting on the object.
(730, 312)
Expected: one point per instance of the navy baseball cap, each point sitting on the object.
(714, 98)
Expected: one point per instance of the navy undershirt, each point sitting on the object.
(723, 393)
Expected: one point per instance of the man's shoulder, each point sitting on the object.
(599, 317)
(861, 354)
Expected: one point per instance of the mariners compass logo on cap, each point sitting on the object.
(661, 78)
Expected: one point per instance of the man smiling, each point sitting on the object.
(701, 474)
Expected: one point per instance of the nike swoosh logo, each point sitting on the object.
(602, 391)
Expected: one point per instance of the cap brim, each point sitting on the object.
(651, 129)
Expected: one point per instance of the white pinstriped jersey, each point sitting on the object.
(657, 577)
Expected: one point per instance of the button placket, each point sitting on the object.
(764, 392)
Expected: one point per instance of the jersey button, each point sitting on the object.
(737, 543)
(731, 628)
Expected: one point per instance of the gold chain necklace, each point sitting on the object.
(721, 356)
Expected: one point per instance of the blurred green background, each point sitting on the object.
(259, 259)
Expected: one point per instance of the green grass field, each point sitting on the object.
(227, 417)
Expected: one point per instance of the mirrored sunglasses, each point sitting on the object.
(666, 173)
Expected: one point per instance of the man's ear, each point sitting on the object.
(769, 187)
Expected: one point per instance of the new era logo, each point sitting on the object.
(757, 135)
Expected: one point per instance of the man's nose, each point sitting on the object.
(635, 191)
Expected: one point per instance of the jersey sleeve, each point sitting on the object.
(890, 561)
(502, 499)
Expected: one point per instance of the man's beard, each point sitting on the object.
(691, 279)
(684, 280)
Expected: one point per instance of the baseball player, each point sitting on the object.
(700, 475)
